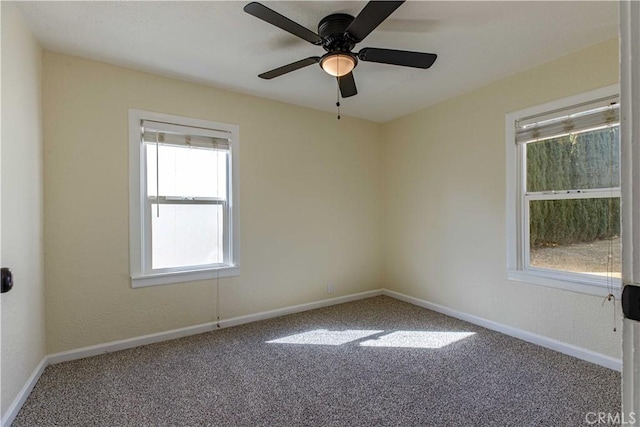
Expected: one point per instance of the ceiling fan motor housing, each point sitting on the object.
(332, 30)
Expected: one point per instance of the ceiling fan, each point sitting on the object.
(338, 34)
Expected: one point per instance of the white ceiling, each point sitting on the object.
(217, 44)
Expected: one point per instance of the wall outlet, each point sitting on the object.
(330, 288)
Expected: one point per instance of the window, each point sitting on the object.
(563, 193)
(183, 199)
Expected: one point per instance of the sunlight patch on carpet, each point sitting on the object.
(398, 339)
(417, 339)
(325, 337)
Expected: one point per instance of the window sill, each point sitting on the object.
(579, 283)
(183, 276)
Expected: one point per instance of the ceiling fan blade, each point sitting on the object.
(370, 17)
(347, 85)
(398, 57)
(274, 18)
(289, 67)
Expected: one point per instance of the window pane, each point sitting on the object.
(186, 235)
(187, 172)
(577, 235)
(582, 161)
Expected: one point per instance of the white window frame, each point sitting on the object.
(518, 268)
(139, 227)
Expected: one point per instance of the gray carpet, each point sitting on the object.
(234, 377)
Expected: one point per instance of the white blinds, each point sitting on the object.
(170, 134)
(579, 118)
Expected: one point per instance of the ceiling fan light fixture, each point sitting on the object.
(338, 64)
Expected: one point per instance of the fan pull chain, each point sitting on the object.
(338, 95)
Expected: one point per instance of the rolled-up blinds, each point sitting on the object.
(170, 134)
(576, 119)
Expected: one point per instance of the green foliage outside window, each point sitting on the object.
(588, 160)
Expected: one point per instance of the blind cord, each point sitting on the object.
(218, 299)
(611, 297)
(157, 176)
(217, 184)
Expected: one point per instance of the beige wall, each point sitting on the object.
(445, 187)
(22, 342)
(310, 204)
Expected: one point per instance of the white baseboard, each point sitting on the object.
(112, 346)
(17, 403)
(562, 347)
